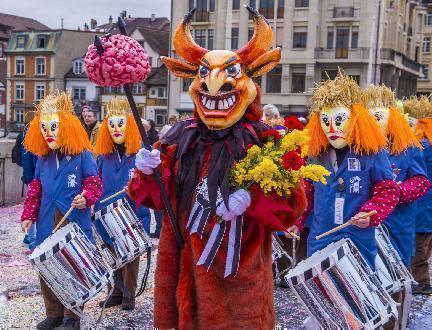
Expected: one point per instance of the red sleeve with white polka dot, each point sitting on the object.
(93, 187)
(32, 201)
(414, 188)
(385, 197)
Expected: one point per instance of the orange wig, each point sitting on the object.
(399, 133)
(105, 144)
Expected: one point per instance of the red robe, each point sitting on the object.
(188, 296)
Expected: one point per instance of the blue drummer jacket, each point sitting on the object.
(401, 222)
(115, 174)
(424, 204)
(60, 185)
(359, 174)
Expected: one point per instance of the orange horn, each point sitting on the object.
(261, 41)
(184, 45)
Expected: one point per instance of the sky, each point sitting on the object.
(76, 12)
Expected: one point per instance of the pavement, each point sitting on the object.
(21, 305)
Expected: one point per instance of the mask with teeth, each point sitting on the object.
(223, 89)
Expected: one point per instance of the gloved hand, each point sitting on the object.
(146, 161)
(238, 202)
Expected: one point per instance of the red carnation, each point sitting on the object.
(271, 134)
(292, 122)
(292, 161)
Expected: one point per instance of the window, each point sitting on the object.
(40, 92)
(298, 82)
(250, 33)
(425, 72)
(186, 83)
(234, 38)
(78, 67)
(266, 8)
(200, 37)
(19, 91)
(210, 39)
(162, 93)
(428, 18)
(252, 4)
(301, 3)
(40, 65)
(235, 4)
(328, 74)
(20, 42)
(330, 36)
(274, 80)
(19, 115)
(281, 9)
(1, 49)
(354, 39)
(138, 88)
(299, 39)
(342, 35)
(19, 66)
(79, 93)
(426, 44)
(41, 41)
(161, 117)
(191, 5)
(201, 14)
(212, 5)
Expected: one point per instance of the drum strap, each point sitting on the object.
(146, 274)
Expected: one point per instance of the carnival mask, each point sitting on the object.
(117, 128)
(223, 88)
(50, 126)
(334, 122)
(413, 123)
(382, 115)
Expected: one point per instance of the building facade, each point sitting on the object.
(317, 37)
(37, 62)
(424, 85)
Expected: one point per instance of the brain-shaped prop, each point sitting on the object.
(116, 61)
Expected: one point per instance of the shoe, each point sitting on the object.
(28, 252)
(72, 324)
(50, 323)
(420, 288)
(111, 302)
(128, 304)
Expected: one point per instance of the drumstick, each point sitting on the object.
(68, 213)
(113, 195)
(346, 224)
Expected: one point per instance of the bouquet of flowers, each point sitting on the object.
(278, 165)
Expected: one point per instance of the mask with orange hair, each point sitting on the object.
(223, 89)
(381, 102)
(56, 127)
(420, 116)
(338, 119)
(118, 127)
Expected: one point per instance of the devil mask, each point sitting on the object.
(223, 89)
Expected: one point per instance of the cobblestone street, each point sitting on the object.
(21, 305)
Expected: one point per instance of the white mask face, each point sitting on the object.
(382, 115)
(117, 128)
(50, 127)
(413, 123)
(334, 122)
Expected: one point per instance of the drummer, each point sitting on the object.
(117, 143)
(64, 170)
(347, 140)
(420, 120)
(407, 163)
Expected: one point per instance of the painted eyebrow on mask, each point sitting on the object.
(230, 60)
(205, 62)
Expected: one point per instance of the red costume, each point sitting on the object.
(197, 155)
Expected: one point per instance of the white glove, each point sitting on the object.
(146, 161)
(238, 202)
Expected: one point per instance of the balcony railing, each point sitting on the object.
(342, 12)
(361, 53)
(388, 54)
(201, 16)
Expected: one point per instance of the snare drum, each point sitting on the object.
(119, 234)
(391, 271)
(340, 291)
(72, 267)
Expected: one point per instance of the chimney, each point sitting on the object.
(93, 24)
(123, 14)
(153, 18)
(110, 19)
(86, 27)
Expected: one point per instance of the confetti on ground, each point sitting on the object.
(21, 305)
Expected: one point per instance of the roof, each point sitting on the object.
(21, 23)
(158, 77)
(52, 38)
(157, 39)
(159, 23)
